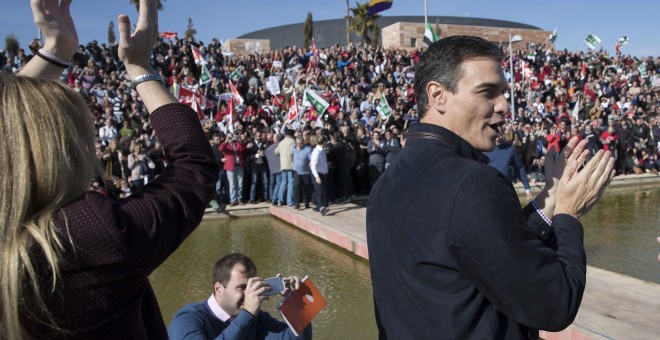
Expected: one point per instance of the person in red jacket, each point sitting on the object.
(552, 138)
(234, 156)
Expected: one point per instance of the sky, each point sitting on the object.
(225, 19)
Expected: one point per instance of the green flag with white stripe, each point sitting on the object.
(429, 36)
(384, 108)
(312, 98)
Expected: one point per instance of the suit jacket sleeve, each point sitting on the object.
(495, 246)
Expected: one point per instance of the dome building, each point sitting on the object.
(396, 32)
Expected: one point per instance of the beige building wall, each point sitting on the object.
(246, 46)
(409, 35)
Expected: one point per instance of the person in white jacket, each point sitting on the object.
(319, 167)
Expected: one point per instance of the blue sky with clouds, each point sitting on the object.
(224, 19)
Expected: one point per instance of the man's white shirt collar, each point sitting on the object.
(217, 310)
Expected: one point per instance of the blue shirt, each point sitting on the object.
(505, 159)
(197, 321)
(301, 159)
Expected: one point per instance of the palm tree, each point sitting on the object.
(159, 5)
(364, 25)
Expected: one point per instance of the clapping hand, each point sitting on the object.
(54, 19)
(554, 168)
(578, 191)
(135, 48)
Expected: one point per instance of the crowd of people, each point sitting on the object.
(610, 100)
(77, 260)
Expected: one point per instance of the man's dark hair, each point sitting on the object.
(336, 135)
(223, 267)
(443, 60)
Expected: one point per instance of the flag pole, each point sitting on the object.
(426, 15)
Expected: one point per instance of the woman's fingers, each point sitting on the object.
(124, 27)
(148, 16)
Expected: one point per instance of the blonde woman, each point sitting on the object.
(75, 263)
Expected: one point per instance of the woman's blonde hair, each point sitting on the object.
(46, 154)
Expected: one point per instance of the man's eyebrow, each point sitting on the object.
(489, 86)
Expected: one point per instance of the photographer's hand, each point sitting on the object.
(252, 300)
(292, 286)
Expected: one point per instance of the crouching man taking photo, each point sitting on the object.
(234, 309)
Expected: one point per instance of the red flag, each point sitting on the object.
(617, 47)
(277, 101)
(584, 70)
(237, 96)
(168, 35)
(293, 110)
(196, 100)
(314, 49)
(197, 54)
(314, 58)
(230, 112)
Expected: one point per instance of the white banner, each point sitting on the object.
(273, 85)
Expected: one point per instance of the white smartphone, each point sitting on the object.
(276, 285)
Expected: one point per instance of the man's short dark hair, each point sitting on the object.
(443, 60)
(223, 267)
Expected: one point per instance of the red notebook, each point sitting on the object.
(299, 308)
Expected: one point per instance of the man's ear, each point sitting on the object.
(218, 289)
(436, 94)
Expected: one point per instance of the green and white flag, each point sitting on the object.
(642, 70)
(429, 36)
(592, 41)
(236, 74)
(384, 108)
(205, 75)
(623, 40)
(552, 37)
(312, 98)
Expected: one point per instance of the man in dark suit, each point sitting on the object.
(452, 253)
(258, 167)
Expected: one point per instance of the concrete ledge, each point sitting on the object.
(619, 182)
(333, 227)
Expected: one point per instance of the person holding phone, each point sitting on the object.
(233, 152)
(233, 311)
